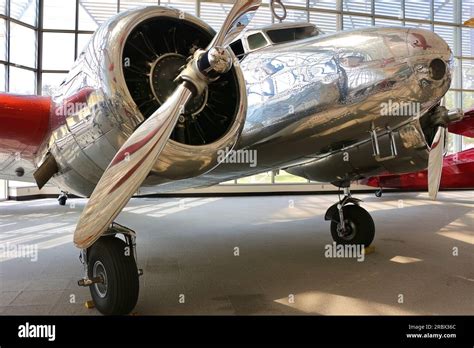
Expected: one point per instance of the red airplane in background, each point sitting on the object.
(458, 168)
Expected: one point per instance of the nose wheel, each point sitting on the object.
(112, 274)
(350, 223)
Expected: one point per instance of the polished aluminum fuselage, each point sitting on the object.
(300, 100)
(321, 95)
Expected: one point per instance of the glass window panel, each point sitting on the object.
(363, 6)
(284, 177)
(467, 42)
(86, 20)
(100, 11)
(22, 45)
(327, 22)
(3, 39)
(468, 74)
(450, 99)
(130, 4)
(261, 18)
(450, 144)
(256, 41)
(419, 9)
(353, 22)
(389, 8)
(387, 22)
(328, 4)
(214, 14)
(263, 178)
(59, 14)
(2, 78)
(467, 100)
(82, 41)
(467, 143)
(184, 5)
(300, 3)
(22, 81)
(24, 10)
(296, 16)
(54, 58)
(456, 74)
(467, 10)
(50, 82)
(444, 10)
(426, 26)
(3, 7)
(447, 33)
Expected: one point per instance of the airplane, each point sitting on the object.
(157, 95)
(457, 173)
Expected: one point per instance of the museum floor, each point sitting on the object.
(188, 247)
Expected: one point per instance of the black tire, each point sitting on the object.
(360, 223)
(62, 200)
(119, 294)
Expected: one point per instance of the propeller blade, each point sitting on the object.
(129, 168)
(238, 18)
(435, 162)
(135, 159)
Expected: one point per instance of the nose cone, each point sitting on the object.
(426, 42)
(431, 59)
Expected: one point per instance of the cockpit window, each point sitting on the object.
(238, 48)
(256, 41)
(292, 34)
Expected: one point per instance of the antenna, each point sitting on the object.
(273, 6)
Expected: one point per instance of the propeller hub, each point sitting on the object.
(163, 82)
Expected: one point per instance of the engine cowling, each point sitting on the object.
(125, 73)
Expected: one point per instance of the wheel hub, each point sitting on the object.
(98, 270)
(349, 231)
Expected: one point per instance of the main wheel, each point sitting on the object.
(62, 200)
(110, 259)
(360, 228)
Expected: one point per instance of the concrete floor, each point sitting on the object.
(186, 247)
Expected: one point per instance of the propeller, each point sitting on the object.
(435, 158)
(135, 159)
(441, 119)
(435, 162)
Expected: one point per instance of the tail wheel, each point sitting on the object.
(359, 226)
(111, 259)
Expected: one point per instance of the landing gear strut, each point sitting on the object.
(350, 223)
(62, 198)
(111, 271)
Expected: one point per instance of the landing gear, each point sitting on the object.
(350, 223)
(111, 271)
(62, 198)
(379, 193)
